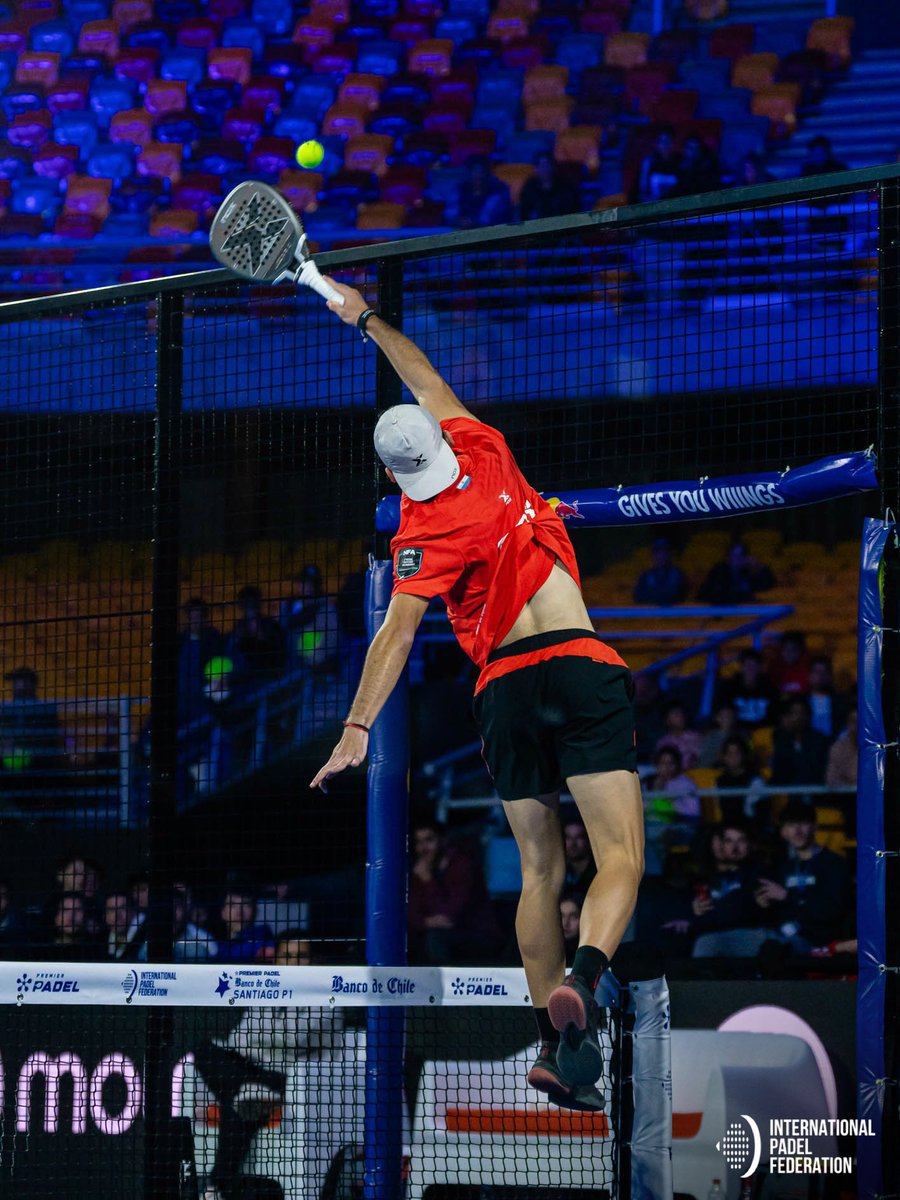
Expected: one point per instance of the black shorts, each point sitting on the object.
(543, 723)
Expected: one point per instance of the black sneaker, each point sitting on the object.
(545, 1076)
(573, 1011)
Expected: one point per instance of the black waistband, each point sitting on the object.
(540, 641)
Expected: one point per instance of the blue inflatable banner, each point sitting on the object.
(700, 500)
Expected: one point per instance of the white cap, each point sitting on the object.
(410, 441)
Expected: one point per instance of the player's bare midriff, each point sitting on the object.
(558, 604)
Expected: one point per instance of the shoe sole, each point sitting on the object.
(542, 1079)
(579, 1057)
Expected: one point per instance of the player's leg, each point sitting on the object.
(610, 806)
(536, 828)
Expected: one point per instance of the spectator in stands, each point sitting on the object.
(257, 642)
(669, 778)
(841, 768)
(249, 1071)
(737, 579)
(659, 170)
(739, 771)
(791, 666)
(580, 865)
(245, 941)
(217, 750)
(724, 911)
(83, 876)
(805, 901)
(13, 934)
(699, 169)
(724, 726)
(751, 170)
(483, 198)
(70, 928)
(799, 752)
(687, 741)
(664, 583)
(648, 714)
(191, 943)
(199, 642)
(310, 620)
(750, 692)
(118, 916)
(820, 159)
(826, 710)
(549, 192)
(789, 669)
(31, 748)
(570, 915)
(662, 917)
(449, 912)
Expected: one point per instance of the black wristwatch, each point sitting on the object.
(363, 320)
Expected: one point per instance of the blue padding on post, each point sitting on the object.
(870, 867)
(700, 500)
(386, 872)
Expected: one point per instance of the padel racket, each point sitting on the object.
(258, 235)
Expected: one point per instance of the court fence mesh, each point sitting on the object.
(188, 485)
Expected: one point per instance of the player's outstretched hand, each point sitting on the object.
(352, 308)
(349, 752)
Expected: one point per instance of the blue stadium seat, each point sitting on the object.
(76, 128)
(35, 195)
(173, 12)
(500, 87)
(378, 8)
(334, 155)
(114, 160)
(21, 98)
(479, 9)
(6, 12)
(409, 89)
(381, 57)
(242, 32)
(110, 95)
(329, 217)
(524, 146)
(79, 11)
(180, 128)
(364, 29)
(184, 62)
(82, 64)
(150, 36)
(501, 118)
(127, 226)
(733, 105)
(749, 136)
(213, 98)
(444, 183)
(706, 75)
(8, 60)
(313, 96)
(274, 17)
(297, 126)
(457, 29)
(576, 53)
(14, 161)
(55, 36)
(136, 195)
(217, 156)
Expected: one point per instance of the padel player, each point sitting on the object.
(553, 702)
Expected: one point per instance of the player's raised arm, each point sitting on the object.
(385, 660)
(413, 367)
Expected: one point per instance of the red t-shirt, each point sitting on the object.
(484, 545)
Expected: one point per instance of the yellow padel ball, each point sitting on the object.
(310, 154)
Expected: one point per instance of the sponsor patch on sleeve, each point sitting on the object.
(409, 562)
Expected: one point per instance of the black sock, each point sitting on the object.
(546, 1032)
(589, 965)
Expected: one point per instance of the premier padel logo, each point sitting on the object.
(458, 987)
(23, 984)
(409, 562)
(741, 1146)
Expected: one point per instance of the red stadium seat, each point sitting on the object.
(360, 88)
(53, 161)
(579, 144)
(128, 13)
(404, 185)
(336, 60)
(550, 115)
(88, 196)
(471, 142)
(732, 41)
(14, 36)
(832, 35)
(230, 62)
(264, 93)
(345, 120)
(525, 52)
(68, 95)
(139, 64)
(77, 225)
(132, 125)
(368, 152)
(409, 30)
(242, 125)
(754, 71)
(100, 38)
(626, 50)
(509, 26)
(30, 130)
(38, 66)
(198, 32)
(433, 56)
(448, 118)
(547, 82)
(515, 176)
(645, 85)
(165, 96)
(380, 215)
(160, 160)
(271, 155)
(199, 191)
(173, 224)
(301, 189)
